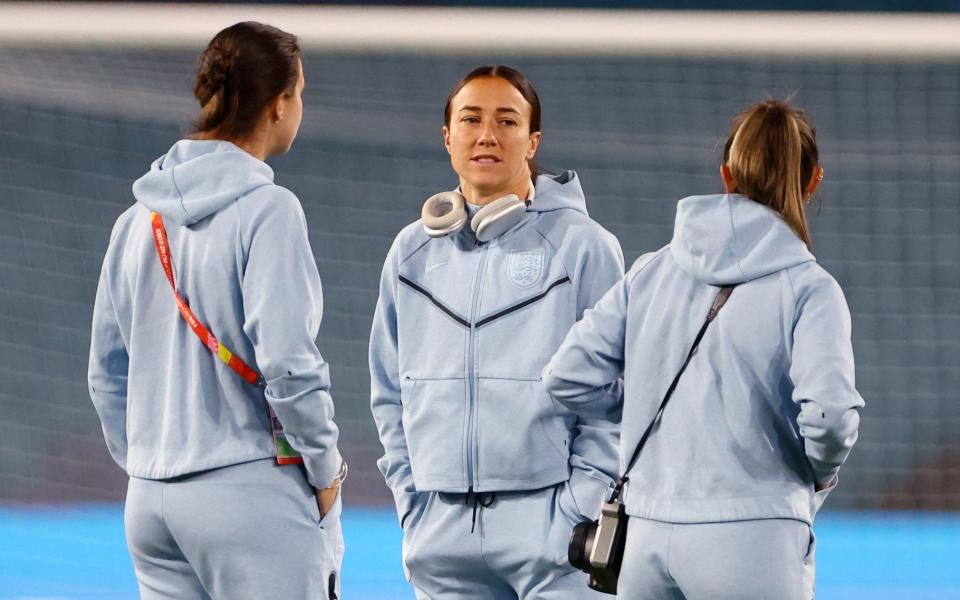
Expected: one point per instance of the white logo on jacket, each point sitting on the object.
(524, 267)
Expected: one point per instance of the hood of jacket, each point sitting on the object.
(197, 178)
(726, 239)
(555, 192)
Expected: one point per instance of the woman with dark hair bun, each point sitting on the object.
(488, 473)
(739, 403)
(203, 364)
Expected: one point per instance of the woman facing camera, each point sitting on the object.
(739, 404)
(203, 367)
(488, 473)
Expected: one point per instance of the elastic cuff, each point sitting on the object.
(406, 507)
(827, 483)
(322, 469)
(823, 472)
(588, 492)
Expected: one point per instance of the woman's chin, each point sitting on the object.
(486, 183)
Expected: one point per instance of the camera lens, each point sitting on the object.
(581, 542)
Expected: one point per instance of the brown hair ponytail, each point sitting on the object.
(242, 70)
(771, 154)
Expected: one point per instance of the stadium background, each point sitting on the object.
(78, 124)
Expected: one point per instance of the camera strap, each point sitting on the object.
(718, 303)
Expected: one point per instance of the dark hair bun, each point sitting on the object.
(212, 75)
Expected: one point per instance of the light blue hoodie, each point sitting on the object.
(243, 262)
(460, 335)
(767, 408)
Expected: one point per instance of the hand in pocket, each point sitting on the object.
(326, 499)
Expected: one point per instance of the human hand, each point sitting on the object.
(820, 487)
(326, 497)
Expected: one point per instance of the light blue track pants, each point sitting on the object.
(741, 560)
(247, 531)
(518, 547)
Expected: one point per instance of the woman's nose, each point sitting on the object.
(487, 137)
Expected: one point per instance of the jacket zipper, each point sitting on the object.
(470, 448)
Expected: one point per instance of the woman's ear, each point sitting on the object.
(815, 180)
(276, 109)
(728, 183)
(534, 144)
(446, 138)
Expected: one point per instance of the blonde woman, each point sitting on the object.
(721, 498)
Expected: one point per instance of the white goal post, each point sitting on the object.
(494, 30)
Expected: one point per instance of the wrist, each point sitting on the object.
(341, 475)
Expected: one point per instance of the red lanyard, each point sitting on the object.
(285, 453)
(205, 335)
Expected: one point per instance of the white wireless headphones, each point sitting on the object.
(446, 213)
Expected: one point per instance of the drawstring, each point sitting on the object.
(479, 500)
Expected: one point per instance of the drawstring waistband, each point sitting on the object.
(479, 500)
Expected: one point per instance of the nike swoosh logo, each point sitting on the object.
(436, 266)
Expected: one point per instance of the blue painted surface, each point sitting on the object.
(73, 553)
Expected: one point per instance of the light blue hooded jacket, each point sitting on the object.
(460, 335)
(243, 262)
(767, 408)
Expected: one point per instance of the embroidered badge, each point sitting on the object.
(524, 267)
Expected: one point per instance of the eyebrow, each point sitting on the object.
(508, 109)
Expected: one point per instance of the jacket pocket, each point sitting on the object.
(417, 508)
(521, 436)
(334, 513)
(434, 425)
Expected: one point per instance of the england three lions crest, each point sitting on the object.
(524, 267)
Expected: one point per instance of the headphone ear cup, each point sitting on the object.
(443, 214)
(496, 218)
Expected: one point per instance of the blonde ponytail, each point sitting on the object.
(771, 155)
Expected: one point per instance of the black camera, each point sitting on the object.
(596, 547)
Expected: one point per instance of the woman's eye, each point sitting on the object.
(508, 122)
(470, 120)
